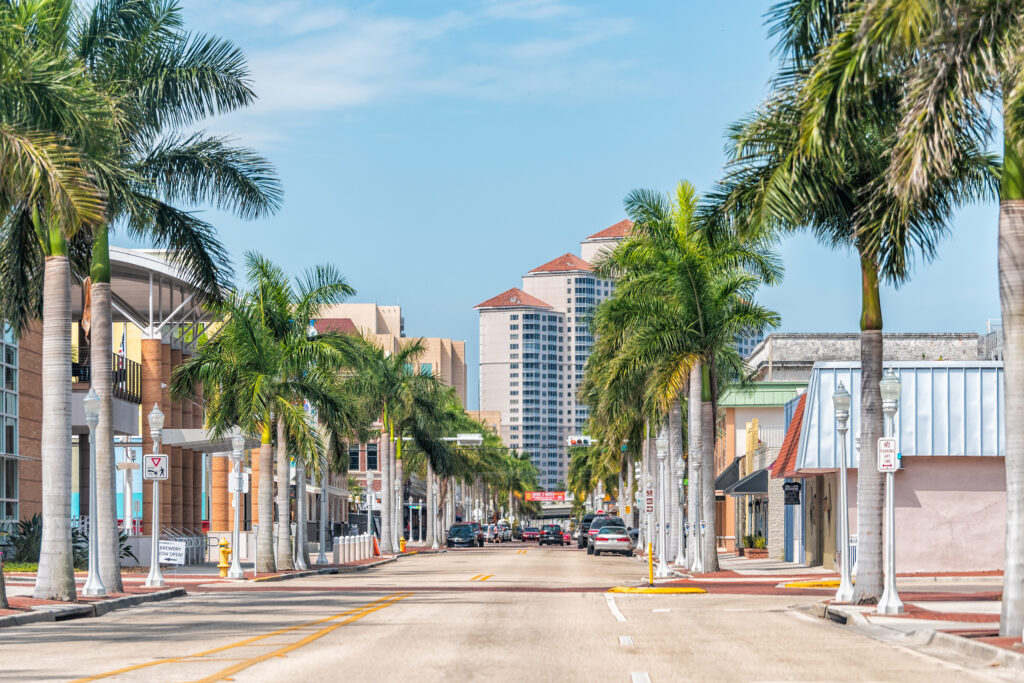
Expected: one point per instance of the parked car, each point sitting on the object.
(596, 525)
(612, 539)
(479, 531)
(531, 533)
(551, 534)
(581, 536)
(461, 535)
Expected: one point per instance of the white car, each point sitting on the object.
(612, 539)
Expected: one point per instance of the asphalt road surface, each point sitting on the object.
(515, 612)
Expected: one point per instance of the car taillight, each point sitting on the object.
(602, 538)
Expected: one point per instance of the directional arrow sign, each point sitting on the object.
(155, 466)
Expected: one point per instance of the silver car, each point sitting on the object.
(613, 539)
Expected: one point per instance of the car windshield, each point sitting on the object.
(461, 530)
(602, 522)
(621, 530)
(532, 529)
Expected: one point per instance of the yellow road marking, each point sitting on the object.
(813, 584)
(476, 578)
(484, 578)
(666, 589)
(283, 651)
(241, 643)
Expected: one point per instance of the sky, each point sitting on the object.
(436, 151)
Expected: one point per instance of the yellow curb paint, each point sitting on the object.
(812, 584)
(656, 590)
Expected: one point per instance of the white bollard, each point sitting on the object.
(336, 551)
(348, 549)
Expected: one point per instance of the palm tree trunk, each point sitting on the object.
(675, 452)
(430, 505)
(55, 579)
(301, 554)
(284, 506)
(1011, 292)
(100, 352)
(870, 491)
(398, 508)
(707, 469)
(385, 490)
(694, 450)
(265, 532)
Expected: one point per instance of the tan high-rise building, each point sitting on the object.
(534, 343)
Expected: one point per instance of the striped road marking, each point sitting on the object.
(481, 577)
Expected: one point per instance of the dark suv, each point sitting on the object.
(581, 538)
(551, 533)
(461, 535)
(595, 526)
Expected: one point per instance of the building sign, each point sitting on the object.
(546, 496)
(172, 552)
(155, 466)
(888, 458)
(791, 491)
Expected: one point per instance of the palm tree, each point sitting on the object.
(960, 61)
(683, 299)
(843, 197)
(261, 368)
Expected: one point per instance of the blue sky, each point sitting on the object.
(437, 151)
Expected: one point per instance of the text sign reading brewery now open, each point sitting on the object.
(888, 458)
(546, 496)
(155, 466)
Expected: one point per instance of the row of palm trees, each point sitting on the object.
(876, 128)
(309, 393)
(99, 106)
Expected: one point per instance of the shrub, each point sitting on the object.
(760, 543)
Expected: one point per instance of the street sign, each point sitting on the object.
(155, 466)
(628, 509)
(649, 493)
(172, 552)
(888, 458)
(238, 483)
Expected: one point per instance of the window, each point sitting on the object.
(514, 316)
(426, 368)
(371, 456)
(353, 457)
(8, 430)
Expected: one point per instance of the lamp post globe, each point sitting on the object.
(155, 579)
(841, 407)
(93, 584)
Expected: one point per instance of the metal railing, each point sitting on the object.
(126, 375)
(196, 543)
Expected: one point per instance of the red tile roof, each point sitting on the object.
(513, 297)
(341, 325)
(620, 229)
(784, 466)
(565, 262)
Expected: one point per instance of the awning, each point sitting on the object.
(755, 483)
(729, 476)
(203, 440)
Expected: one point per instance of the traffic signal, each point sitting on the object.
(579, 440)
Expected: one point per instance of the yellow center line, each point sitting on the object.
(476, 578)
(484, 578)
(241, 643)
(281, 652)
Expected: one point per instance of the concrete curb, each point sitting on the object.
(96, 609)
(363, 567)
(920, 640)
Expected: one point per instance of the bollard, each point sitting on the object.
(336, 550)
(348, 549)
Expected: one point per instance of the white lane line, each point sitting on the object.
(619, 616)
(640, 677)
(626, 641)
(662, 610)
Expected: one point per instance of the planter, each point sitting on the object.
(756, 553)
(741, 551)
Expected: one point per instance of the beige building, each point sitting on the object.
(534, 342)
(489, 418)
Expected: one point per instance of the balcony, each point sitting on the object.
(126, 375)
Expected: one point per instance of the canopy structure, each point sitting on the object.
(752, 484)
(729, 476)
(203, 440)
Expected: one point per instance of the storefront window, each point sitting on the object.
(371, 456)
(8, 430)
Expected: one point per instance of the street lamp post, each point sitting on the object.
(412, 536)
(662, 448)
(369, 503)
(638, 520)
(237, 445)
(419, 518)
(681, 549)
(433, 513)
(93, 583)
(841, 406)
(321, 559)
(155, 578)
(890, 602)
(698, 533)
(399, 522)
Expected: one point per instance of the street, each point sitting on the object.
(501, 613)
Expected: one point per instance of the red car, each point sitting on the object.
(531, 533)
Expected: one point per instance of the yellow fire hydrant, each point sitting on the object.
(401, 545)
(225, 555)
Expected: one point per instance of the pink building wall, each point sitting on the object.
(950, 513)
